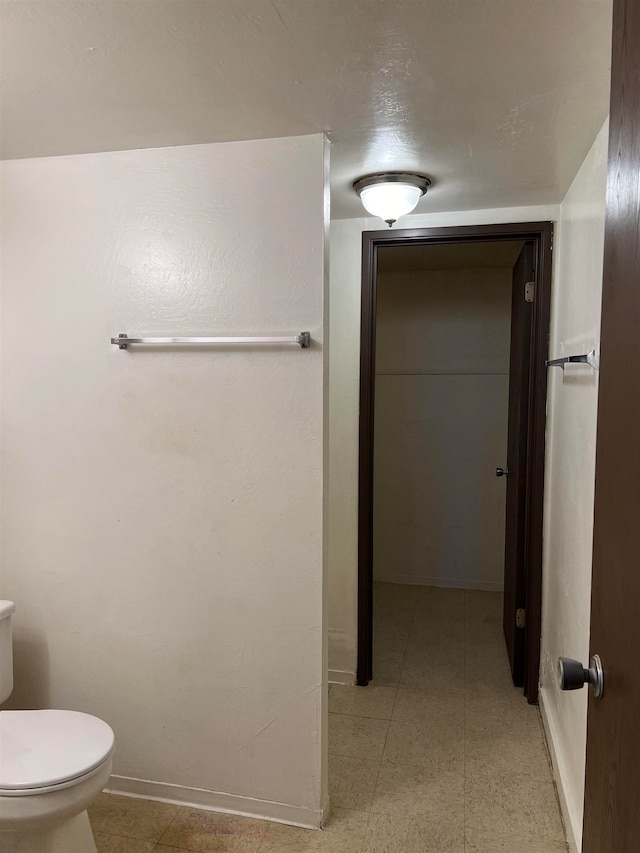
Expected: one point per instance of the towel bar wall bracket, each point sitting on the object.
(591, 358)
(568, 359)
(123, 341)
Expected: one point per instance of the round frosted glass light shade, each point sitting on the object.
(390, 201)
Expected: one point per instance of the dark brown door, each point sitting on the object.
(612, 796)
(515, 530)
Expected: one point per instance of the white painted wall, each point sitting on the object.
(344, 365)
(570, 471)
(442, 394)
(162, 527)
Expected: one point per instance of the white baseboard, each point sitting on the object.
(338, 676)
(214, 801)
(326, 813)
(572, 839)
(448, 583)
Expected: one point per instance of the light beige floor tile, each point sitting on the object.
(489, 702)
(432, 669)
(482, 647)
(513, 804)
(391, 634)
(432, 634)
(391, 629)
(358, 737)
(493, 696)
(441, 594)
(486, 651)
(440, 602)
(391, 637)
(117, 844)
(352, 782)
(438, 748)
(343, 833)
(416, 792)
(394, 620)
(485, 632)
(447, 642)
(436, 644)
(491, 713)
(481, 625)
(438, 623)
(372, 701)
(398, 596)
(487, 672)
(482, 842)
(427, 629)
(478, 687)
(487, 666)
(455, 695)
(130, 817)
(479, 603)
(504, 750)
(492, 706)
(206, 832)
(162, 848)
(485, 613)
(396, 623)
(387, 665)
(430, 707)
(387, 833)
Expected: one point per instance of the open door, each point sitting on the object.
(527, 419)
(612, 795)
(514, 615)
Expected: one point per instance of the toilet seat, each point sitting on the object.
(48, 750)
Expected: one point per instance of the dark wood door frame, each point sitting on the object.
(541, 235)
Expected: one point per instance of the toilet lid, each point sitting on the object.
(42, 748)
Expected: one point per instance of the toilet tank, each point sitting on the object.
(7, 609)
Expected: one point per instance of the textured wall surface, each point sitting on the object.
(570, 470)
(442, 392)
(162, 532)
(346, 251)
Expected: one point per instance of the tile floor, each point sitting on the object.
(440, 754)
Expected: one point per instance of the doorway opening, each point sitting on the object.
(453, 387)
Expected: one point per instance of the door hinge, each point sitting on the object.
(529, 291)
(521, 617)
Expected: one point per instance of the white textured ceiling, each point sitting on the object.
(497, 100)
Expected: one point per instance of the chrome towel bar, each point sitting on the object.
(123, 341)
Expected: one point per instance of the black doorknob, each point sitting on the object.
(502, 472)
(574, 676)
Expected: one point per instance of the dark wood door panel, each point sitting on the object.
(612, 794)
(516, 503)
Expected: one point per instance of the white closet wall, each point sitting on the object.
(442, 389)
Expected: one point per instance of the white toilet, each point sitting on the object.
(52, 765)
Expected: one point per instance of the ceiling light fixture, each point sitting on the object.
(390, 195)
